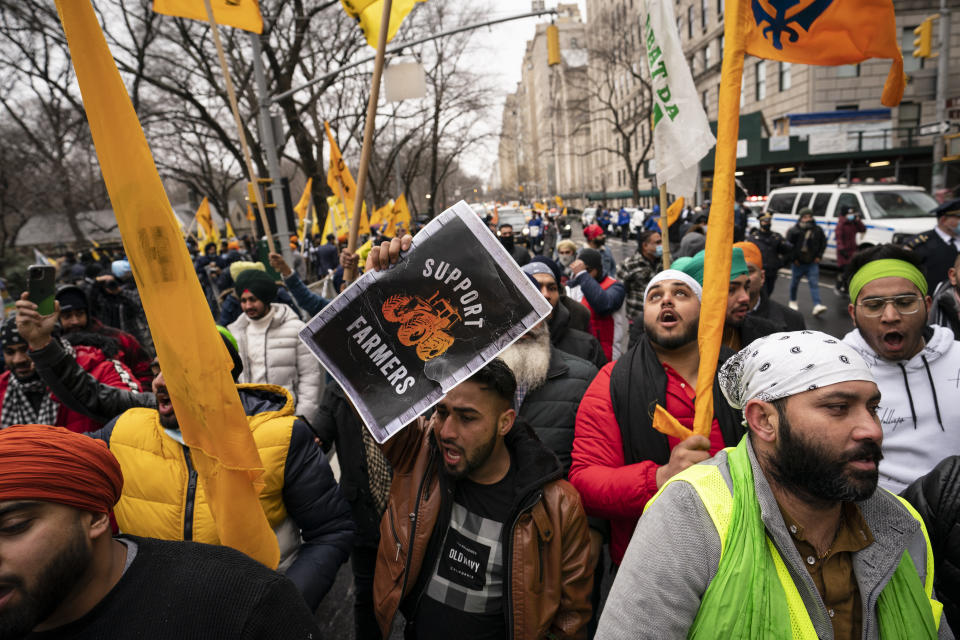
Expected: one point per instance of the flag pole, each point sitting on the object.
(232, 96)
(665, 227)
(349, 275)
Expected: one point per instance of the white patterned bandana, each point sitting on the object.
(785, 364)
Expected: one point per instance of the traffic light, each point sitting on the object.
(924, 40)
(553, 45)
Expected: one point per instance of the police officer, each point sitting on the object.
(938, 248)
(773, 247)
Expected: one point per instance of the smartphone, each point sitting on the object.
(41, 287)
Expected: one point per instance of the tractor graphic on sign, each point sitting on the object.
(423, 322)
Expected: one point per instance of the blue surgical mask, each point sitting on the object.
(659, 251)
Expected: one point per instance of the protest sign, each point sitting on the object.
(397, 340)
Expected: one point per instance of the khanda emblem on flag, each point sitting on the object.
(422, 322)
(779, 23)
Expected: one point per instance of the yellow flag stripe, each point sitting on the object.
(195, 361)
(242, 14)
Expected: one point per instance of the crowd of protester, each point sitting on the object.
(823, 502)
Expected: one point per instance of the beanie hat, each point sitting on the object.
(72, 297)
(258, 283)
(231, 343)
(236, 268)
(592, 231)
(591, 258)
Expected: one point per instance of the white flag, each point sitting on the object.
(681, 132)
(41, 259)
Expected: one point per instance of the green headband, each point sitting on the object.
(887, 268)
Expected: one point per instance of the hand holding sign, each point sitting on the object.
(400, 337)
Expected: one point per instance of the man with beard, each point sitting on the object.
(915, 365)
(164, 496)
(619, 459)
(739, 328)
(495, 544)
(62, 574)
(75, 317)
(761, 305)
(774, 249)
(785, 534)
(563, 335)
(519, 254)
(596, 240)
(269, 345)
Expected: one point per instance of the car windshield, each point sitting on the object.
(899, 204)
(513, 217)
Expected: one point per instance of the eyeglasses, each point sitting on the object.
(904, 305)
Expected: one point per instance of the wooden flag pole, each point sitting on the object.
(232, 96)
(665, 227)
(349, 275)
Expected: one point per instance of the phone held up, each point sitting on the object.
(41, 287)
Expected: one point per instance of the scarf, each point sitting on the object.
(637, 383)
(379, 473)
(17, 408)
(746, 599)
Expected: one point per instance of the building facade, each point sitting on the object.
(819, 123)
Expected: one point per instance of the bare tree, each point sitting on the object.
(619, 96)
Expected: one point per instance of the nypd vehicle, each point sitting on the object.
(891, 212)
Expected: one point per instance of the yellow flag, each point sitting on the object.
(673, 212)
(558, 200)
(382, 215)
(304, 203)
(336, 218)
(205, 223)
(231, 235)
(195, 361)
(242, 14)
(250, 215)
(339, 178)
(400, 218)
(369, 13)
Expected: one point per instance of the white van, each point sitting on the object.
(891, 212)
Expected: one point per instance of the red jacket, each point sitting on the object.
(132, 354)
(107, 371)
(609, 489)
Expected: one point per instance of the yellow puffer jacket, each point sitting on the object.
(162, 494)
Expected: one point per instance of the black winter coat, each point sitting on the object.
(551, 409)
(337, 423)
(573, 341)
(936, 496)
(785, 318)
(816, 246)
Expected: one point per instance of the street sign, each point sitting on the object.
(933, 129)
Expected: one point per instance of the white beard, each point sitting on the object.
(529, 359)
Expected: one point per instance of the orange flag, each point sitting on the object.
(195, 361)
(822, 32)
(242, 14)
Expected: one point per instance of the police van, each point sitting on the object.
(891, 212)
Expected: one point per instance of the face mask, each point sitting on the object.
(765, 226)
(565, 259)
(807, 224)
(659, 251)
(956, 228)
(507, 243)
(851, 217)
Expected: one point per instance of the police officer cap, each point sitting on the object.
(951, 208)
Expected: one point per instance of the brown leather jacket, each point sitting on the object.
(546, 557)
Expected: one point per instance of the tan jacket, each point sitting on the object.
(547, 556)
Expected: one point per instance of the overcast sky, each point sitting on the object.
(502, 51)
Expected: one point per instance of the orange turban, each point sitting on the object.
(751, 253)
(52, 464)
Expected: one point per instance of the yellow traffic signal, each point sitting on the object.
(924, 40)
(553, 45)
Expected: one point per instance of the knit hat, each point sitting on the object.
(236, 268)
(591, 258)
(592, 231)
(9, 335)
(694, 268)
(258, 283)
(120, 268)
(72, 297)
(231, 344)
(536, 266)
